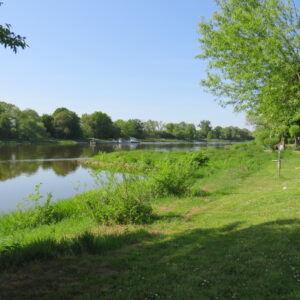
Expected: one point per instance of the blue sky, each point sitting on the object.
(128, 58)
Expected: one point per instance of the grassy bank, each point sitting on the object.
(232, 235)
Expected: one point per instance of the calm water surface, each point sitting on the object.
(57, 168)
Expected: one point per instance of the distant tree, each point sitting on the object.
(210, 135)
(119, 126)
(134, 128)
(190, 132)
(30, 125)
(226, 133)
(48, 123)
(130, 128)
(66, 123)
(9, 114)
(295, 133)
(151, 128)
(217, 132)
(205, 128)
(98, 125)
(9, 39)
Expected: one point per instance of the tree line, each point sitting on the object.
(66, 124)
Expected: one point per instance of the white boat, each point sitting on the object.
(133, 140)
(93, 143)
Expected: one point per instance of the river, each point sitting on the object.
(57, 169)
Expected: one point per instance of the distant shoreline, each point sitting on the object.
(102, 141)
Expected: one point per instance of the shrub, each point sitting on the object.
(196, 159)
(122, 203)
(171, 178)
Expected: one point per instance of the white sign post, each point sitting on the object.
(280, 148)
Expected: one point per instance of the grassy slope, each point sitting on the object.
(240, 240)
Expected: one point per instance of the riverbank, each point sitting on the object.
(101, 141)
(52, 141)
(235, 235)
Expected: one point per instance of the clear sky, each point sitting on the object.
(127, 58)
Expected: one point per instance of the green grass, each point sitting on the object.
(238, 238)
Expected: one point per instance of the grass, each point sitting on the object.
(237, 238)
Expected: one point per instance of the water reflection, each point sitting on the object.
(17, 160)
(57, 167)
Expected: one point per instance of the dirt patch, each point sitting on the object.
(195, 211)
(167, 208)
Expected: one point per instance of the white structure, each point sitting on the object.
(133, 140)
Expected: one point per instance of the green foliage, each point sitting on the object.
(122, 203)
(35, 211)
(167, 173)
(66, 123)
(48, 123)
(182, 130)
(97, 125)
(205, 128)
(172, 177)
(8, 120)
(30, 125)
(130, 128)
(271, 142)
(253, 61)
(11, 40)
(294, 131)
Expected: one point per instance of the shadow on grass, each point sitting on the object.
(86, 243)
(230, 262)
(169, 217)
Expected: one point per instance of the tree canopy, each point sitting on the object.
(252, 49)
(98, 125)
(10, 39)
(66, 124)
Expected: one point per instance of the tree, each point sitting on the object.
(217, 131)
(254, 59)
(9, 114)
(190, 132)
(98, 125)
(295, 132)
(30, 125)
(9, 39)
(205, 128)
(151, 128)
(130, 128)
(66, 123)
(48, 123)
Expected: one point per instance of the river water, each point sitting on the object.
(57, 168)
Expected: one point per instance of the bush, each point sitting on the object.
(196, 159)
(122, 203)
(171, 178)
